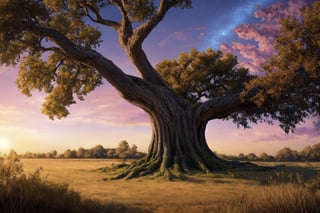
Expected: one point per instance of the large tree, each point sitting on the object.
(54, 42)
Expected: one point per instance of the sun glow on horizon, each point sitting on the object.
(4, 145)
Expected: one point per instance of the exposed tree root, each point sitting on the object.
(181, 171)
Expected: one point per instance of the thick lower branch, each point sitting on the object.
(140, 92)
(219, 107)
(222, 107)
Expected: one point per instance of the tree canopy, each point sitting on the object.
(55, 42)
(200, 76)
(292, 76)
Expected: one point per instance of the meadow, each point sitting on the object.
(293, 185)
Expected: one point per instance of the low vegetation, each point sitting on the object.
(290, 187)
(123, 151)
(32, 194)
(282, 198)
(309, 153)
(283, 192)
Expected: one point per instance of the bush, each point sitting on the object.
(31, 194)
(22, 193)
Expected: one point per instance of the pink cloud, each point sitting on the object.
(225, 48)
(310, 131)
(259, 38)
(303, 133)
(225, 138)
(7, 71)
(200, 36)
(197, 28)
(263, 34)
(163, 43)
(107, 108)
(270, 13)
(275, 12)
(181, 36)
(103, 106)
(193, 33)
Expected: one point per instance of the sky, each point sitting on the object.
(243, 27)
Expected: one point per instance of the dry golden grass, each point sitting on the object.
(211, 193)
(21, 193)
(281, 198)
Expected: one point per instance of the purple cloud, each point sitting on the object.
(193, 33)
(301, 133)
(259, 38)
(107, 108)
(310, 131)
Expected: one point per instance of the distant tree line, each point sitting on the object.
(123, 151)
(309, 153)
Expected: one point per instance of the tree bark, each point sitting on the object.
(178, 146)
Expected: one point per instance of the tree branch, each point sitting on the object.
(219, 107)
(99, 18)
(91, 58)
(124, 28)
(131, 40)
(136, 90)
(141, 32)
(222, 107)
(272, 107)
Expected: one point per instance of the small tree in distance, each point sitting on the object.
(69, 153)
(55, 41)
(286, 154)
(80, 152)
(265, 157)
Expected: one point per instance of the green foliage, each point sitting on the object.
(207, 74)
(43, 65)
(139, 10)
(13, 17)
(292, 76)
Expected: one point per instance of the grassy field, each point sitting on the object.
(207, 193)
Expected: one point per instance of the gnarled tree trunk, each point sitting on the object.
(178, 145)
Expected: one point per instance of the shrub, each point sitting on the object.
(22, 193)
(10, 167)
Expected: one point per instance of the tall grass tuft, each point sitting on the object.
(284, 198)
(281, 193)
(20, 193)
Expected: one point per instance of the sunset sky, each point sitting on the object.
(104, 118)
